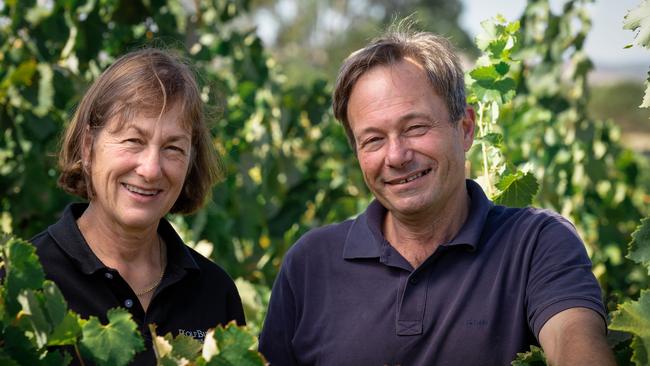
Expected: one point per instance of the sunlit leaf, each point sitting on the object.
(534, 357)
(639, 247)
(24, 272)
(638, 19)
(113, 344)
(634, 317)
(517, 190)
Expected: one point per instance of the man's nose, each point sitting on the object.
(399, 153)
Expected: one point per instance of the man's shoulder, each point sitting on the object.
(500, 214)
(323, 240)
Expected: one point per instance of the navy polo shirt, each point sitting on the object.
(345, 296)
(194, 295)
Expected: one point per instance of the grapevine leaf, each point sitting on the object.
(45, 90)
(534, 357)
(34, 319)
(56, 359)
(492, 139)
(23, 73)
(639, 19)
(634, 317)
(18, 346)
(113, 344)
(210, 348)
(485, 73)
(6, 360)
(66, 332)
(24, 272)
(502, 68)
(639, 247)
(235, 347)
(517, 190)
(184, 346)
(42, 311)
(646, 96)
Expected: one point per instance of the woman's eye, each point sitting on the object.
(133, 141)
(176, 149)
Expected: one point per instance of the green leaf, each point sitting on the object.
(18, 346)
(517, 190)
(66, 332)
(639, 247)
(639, 19)
(485, 73)
(45, 90)
(534, 357)
(234, 346)
(646, 95)
(184, 346)
(5, 360)
(34, 319)
(502, 68)
(24, 272)
(634, 317)
(492, 139)
(113, 344)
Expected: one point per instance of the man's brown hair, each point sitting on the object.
(434, 53)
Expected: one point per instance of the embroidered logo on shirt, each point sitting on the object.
(476, 323)
(198, 334)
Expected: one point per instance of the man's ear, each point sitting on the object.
(468, 123)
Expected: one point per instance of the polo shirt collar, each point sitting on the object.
(366, 240)
(68, 237)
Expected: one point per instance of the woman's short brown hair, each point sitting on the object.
(145, 82)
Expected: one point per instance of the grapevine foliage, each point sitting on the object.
(35, 318)
(36, 327)
(638, 20)
(634, 316)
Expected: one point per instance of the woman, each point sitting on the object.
(138, 148)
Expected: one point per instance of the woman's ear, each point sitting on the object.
(86, 148)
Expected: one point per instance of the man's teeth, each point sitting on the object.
(146, 192)
(416, 176)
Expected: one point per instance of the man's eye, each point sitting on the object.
(135, 141)
(416, 130)
(372, 142)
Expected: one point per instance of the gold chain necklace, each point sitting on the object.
(162, 272)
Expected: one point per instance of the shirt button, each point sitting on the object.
(108, 275)
(413, 280)
(128, 303)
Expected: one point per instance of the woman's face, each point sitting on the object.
(138, 169)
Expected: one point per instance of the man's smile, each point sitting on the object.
(408, 178)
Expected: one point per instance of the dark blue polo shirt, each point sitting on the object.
(194, 295)
(345, 296)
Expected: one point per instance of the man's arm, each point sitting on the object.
(576, 337)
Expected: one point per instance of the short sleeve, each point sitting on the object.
(560, 275)
(279, 325)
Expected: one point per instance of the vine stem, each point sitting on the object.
(81, 360)
(482, 131)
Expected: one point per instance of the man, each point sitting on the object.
(432, 273)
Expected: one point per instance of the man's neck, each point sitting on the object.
(417, 237)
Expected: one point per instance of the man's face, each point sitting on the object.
(411, 155)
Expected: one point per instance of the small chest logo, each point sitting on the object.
(198, 334)
(476, 323)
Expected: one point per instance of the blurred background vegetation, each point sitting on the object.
(288, 163)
